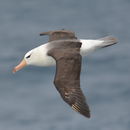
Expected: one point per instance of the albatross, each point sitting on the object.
(65, 50)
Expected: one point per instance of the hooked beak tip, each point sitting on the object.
(19, 67)
(14, 71)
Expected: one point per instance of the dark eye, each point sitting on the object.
(28, 56)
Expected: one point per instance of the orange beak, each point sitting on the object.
(20, 66)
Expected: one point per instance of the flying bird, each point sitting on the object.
(65, 50)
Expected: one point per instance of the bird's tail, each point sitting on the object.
(108, 41)
(89, 45)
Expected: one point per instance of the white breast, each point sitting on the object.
(41, 56)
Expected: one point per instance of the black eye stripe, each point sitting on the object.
(28, 56)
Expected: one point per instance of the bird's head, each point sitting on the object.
(32, 57)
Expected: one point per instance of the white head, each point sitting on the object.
(33, 57)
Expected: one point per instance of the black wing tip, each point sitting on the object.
(41, 34)
(84, 112)
(87, 115)
(45, 33)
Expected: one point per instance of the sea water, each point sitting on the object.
(29, 100)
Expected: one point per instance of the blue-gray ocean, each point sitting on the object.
(29, 100)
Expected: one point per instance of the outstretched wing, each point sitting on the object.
(67, 78)
(59, 35)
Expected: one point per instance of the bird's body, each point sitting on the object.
(87, 47)
(66, 51)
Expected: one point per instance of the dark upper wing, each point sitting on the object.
(67, 78)
(59, 35)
